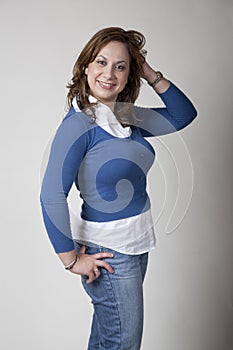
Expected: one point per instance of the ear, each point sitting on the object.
(86, 70)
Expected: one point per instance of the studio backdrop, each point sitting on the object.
(188, 288)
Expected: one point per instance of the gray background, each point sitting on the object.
(188, 289)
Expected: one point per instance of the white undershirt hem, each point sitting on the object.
(133, 235)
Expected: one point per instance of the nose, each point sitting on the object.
(108, 72)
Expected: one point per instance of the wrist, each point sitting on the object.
(70, 266)
(67, 257)
(150, 78)
(159, 84)
(158, 76)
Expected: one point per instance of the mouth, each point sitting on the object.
(105, 85)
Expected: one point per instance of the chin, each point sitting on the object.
(108, 98)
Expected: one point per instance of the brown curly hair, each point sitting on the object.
(134, 42)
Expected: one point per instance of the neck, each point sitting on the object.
(110, 105)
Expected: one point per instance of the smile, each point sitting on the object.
(105, 85)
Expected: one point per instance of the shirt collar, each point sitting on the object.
(106, 119)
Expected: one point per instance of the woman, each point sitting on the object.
(100, 146)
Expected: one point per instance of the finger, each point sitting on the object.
(91, 278)
(103, 255)
(96, 272)
(105, 265)
(82, 249)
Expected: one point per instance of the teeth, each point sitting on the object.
(105, 84)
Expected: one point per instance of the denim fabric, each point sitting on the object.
(118, 302)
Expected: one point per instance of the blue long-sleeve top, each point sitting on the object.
(109, 172)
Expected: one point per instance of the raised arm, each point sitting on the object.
(177, 113)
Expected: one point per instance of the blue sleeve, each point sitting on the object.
(67, 151)
(178, 113)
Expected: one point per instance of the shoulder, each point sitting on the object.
(74, 130)
(74, 116)
(75, 123)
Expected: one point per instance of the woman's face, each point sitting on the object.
(108, 74)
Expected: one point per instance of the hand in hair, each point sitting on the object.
(149, 74)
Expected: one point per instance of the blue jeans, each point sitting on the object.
(118, 302)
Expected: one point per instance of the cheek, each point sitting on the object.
(90, 70)
(94, 73)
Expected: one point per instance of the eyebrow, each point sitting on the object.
(105, 58)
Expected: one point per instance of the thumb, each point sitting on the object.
(82, 249)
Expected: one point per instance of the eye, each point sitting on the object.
(120, 67)
(101, 62)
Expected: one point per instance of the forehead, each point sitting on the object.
(115, 50)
